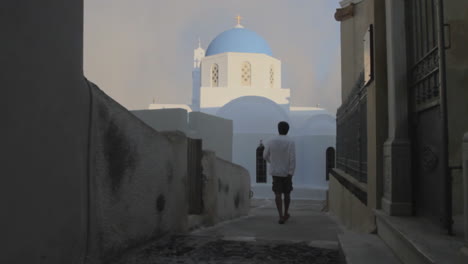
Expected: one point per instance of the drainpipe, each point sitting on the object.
(465, 190)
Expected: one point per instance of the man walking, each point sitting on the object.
(280, 152)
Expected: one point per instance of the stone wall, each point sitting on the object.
(138, 181)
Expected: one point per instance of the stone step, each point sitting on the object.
(365, 249)
(416, 241)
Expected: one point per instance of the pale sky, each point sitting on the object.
(137, 50)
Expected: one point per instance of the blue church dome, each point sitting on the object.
(238, 40)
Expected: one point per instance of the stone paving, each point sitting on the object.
(308, 237)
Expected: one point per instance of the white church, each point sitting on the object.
(238, 78)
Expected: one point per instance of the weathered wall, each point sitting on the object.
(226, 189)
(233, 190)
(45, 110)
(139, 179)
(216, 133)
(456, 15)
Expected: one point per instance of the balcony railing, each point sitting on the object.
(351, 136)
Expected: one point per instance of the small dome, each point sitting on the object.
(253, 114)
(238, 40)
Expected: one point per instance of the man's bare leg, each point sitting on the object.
(279, 206)
(287, 200)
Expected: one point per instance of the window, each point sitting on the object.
(246, 77)
(214, 75)
(272, 77)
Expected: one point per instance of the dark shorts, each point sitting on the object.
(282, 184)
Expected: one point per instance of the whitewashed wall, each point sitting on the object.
(216, 132)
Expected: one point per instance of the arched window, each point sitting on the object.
(272, 77)
(330, 161)
(214, 75)
(246, 78)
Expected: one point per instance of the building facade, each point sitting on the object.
(399, 128)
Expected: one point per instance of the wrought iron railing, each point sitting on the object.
(351, 135)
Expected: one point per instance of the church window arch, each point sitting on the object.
(214, 75)
(246, 74)
(272, 77)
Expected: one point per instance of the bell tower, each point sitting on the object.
(198, 55)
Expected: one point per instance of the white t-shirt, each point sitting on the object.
(280, 153)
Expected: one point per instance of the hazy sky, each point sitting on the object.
(137, 50)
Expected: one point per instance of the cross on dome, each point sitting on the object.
(238, 18)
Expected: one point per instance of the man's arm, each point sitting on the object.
(292, 159)
(266, 153)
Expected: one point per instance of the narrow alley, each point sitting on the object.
(309, 236)
(162, 132)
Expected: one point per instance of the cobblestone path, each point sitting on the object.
(309, 236)
(197, 249)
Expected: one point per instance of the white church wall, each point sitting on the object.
(244, 151)
(231, 63)
(216, 133)
(309, 179)
(230, 85)
(207, 63)
(260, 67)
(311, 159)
(219, 96)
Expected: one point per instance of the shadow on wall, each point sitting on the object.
(139, 187)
